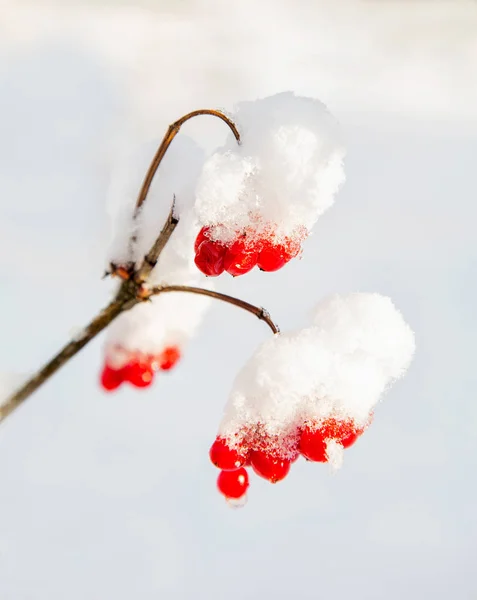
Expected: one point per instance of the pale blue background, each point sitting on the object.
(113, 496)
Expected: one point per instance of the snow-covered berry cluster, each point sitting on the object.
(312, 392)
(259, 200)
(136, 368)
(213, 257)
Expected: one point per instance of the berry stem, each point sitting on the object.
(259, 312)
(171, 133)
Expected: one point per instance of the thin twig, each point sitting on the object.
(150, 260)
(259, 312)
(171, 133)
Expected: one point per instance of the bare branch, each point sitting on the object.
(105, 317)
(259, 312)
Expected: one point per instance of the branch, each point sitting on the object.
(131, 291)
(261, 313)
(104, 318)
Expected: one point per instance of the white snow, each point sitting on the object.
(357, 346)
(282, 176)
(334, 454)
(169, 320)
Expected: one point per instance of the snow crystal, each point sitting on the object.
(282, 176)
(335, 454)
(340, 366)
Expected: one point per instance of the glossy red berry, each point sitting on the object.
(274, 256)
(201, 237)
(312, 444)
(139, 374)
(313, 438)
(169, 358)
(240, 259)
(233, 484)
(111, 378)
(209, 258)
(226, 458)
(345, 432)
(269, 466)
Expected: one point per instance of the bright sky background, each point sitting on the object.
(114, 496)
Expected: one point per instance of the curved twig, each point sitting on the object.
(171, 133)
(259, 312)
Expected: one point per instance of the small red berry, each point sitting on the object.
(233, 484)
(226, 458)
(111, 378)
(169, 358)
(209, 258)
(201, 237)
(240, 259)
(313, 438)
(345, 432)
(312, 444)
(139, 374)
(274, 256)
(349, 434)
(269, 466)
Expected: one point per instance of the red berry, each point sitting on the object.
(269, 466)
(202, 236)
(313, 439)
(209, 258)
(240, 259)
(312, 444)
(274, 256)
(139, 374)
(169, 358)
(344, 432)
(226, 458)
(349, 434)
(111, 378)
(233, 484)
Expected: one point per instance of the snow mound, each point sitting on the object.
(339, 368)
(282, 176)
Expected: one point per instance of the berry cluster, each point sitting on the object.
(138, 369)
(271, 459)
(241, 255)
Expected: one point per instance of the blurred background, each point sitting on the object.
(114, 496)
